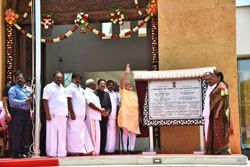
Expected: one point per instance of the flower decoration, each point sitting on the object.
(152, 8)
(47, 21)
(11, 16)
(81, 18)
(118, 16)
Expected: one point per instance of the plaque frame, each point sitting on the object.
(173, 122)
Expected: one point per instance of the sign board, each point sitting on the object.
(179, 99)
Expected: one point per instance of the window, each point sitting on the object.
(107, 29)
(244, 101)
(142, 32)
(67, 79)
(125, 28)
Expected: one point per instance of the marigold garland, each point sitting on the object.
(152, 8)
(82, 20)
(117, 35)
(54, 40)
(10, 16)
(138, 9)
(26, 12)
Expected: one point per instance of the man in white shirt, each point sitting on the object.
(112, 124)
(94, 113)
(56, 108)
(206, 112)
(75, 123)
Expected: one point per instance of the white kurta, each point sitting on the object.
(93, 119)
(112, 139)
(206, 111)
(56, 127)
(76, 128)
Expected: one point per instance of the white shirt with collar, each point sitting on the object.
(91, 97)
(114, 103)
(57, 100)
(77, 95)
(206, 110)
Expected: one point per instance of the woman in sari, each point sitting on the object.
(220, 126)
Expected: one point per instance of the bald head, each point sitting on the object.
(208, 78)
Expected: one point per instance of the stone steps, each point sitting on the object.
(156, 160)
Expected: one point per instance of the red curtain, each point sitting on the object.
(141, 87)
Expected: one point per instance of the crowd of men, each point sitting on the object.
(78, 121)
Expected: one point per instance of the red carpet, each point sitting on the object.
(29, 162)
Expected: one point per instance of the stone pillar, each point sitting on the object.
(195, 34)
(3, 4)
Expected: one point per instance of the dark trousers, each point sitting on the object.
(10, 131)
(20, 122)
(43, 134)
(103, 127)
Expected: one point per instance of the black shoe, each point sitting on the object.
(117, 152)
(133, 152)
(18, 156)
(73, 154)
(125, 152)
(103, 153)
(28, 155)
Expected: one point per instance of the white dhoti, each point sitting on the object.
(117, 139)
(111, 136)
(56, 136)
(76, 135)
(88, 145)
(93, 127)
(206, 126)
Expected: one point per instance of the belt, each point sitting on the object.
(19, 109)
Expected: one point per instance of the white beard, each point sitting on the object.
(130, 88)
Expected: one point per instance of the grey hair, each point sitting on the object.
(208, 72)
(126, 82)
(89, 82)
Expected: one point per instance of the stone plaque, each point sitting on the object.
(176, 99)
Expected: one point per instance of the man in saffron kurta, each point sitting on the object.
(129, 115)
